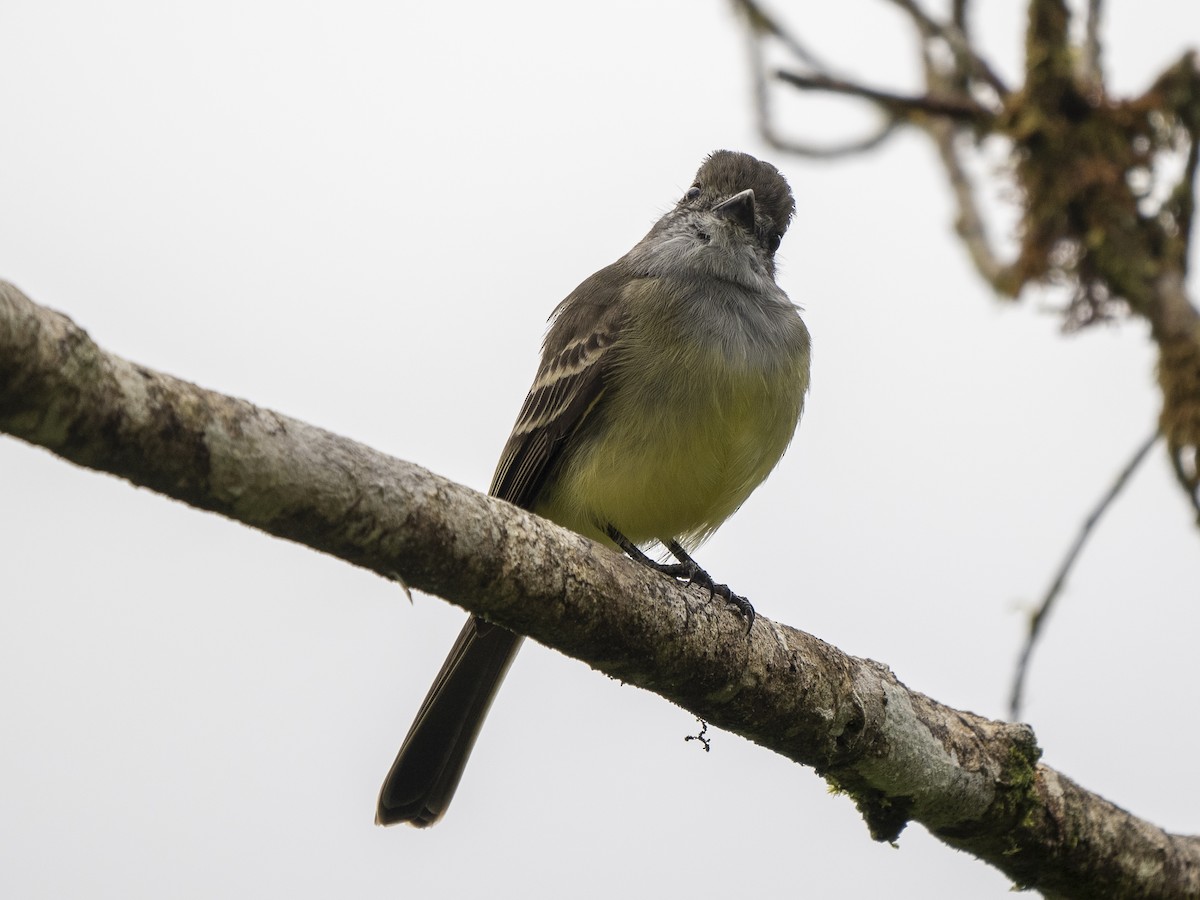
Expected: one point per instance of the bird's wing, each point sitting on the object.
(571, 380)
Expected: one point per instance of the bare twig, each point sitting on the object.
(966, 59)
(1003, 277)
(762, 100)
(1187, 472)
(1039, 617)
(896, 108)
(761, 23)
(829, 151)
(901, 105)
(959, 16)
(969, 223)
(1090, 71)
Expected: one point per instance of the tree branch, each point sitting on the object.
(1075, 155)
(899, 105)
(974, 783)
(1091, 72)
(761, 25)
(1060, 578)
(1004, 278)
(968, 63)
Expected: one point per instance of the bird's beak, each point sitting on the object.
(738, 209)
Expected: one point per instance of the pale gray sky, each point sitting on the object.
(360, 214)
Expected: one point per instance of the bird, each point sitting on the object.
(671, 383)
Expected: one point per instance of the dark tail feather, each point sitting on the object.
(430, 763)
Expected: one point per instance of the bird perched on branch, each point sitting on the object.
(670, 385)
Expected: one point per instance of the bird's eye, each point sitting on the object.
(692, 193)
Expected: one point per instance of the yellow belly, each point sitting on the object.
(673, 463)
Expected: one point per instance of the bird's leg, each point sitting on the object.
(687, 569)
(698, 576)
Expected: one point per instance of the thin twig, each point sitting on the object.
(828, 151)
(960, 17)
(762, 100)
(968, 62)
(1189, 481)
(1039, 617)
(960, 109)
(969, 224)
(1090, 59)
(762, 23)
(924, 22)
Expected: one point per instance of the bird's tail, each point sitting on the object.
(430, 763)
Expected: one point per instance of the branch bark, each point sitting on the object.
(901, 756)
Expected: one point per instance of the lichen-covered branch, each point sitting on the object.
(1084, 165)
(900, 755)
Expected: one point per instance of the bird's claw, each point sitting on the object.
(697, 575)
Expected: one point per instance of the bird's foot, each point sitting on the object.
(688, 570)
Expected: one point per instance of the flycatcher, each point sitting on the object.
(671, 382)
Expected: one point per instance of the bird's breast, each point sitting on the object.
(697, 410)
